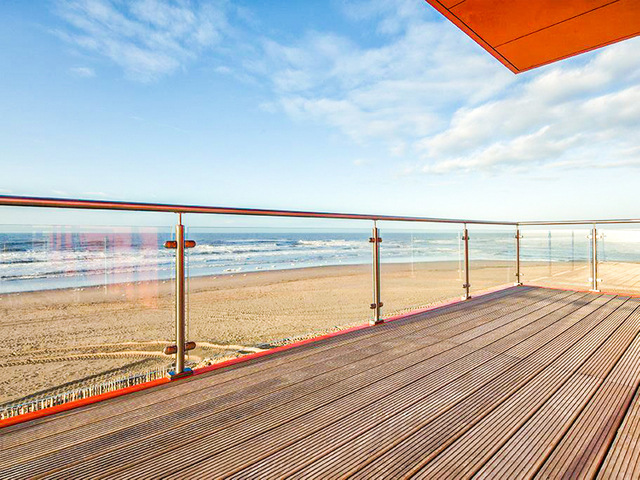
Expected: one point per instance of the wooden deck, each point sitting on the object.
(522, 383)
(615, 276)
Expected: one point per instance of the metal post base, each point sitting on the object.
(376, 322)
(175, 376)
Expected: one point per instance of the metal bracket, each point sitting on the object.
(374, 240)
(374, 305)
(174, 244)
(172, 349)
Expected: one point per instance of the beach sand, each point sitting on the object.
(68, 337)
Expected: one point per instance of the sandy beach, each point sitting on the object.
(73, 336)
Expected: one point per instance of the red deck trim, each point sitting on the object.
(45, 412)
(251, 356)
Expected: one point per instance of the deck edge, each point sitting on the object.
(45, 412)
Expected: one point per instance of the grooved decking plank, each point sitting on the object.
(67, 456)
(293, 431)
(219, 397)
(623, 459)
(197, 440)
(462, 458)
(563, 426)
(29, 431)
(330, 452)
(419, 446)
(523, 382)
(622, 273)
(584, 447)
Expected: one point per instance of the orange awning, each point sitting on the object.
(525, 34)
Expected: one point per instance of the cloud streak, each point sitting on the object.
(147, 38)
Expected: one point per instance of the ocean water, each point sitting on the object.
(63, 258)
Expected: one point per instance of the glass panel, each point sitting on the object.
(273, 283)
(558, 257)
(83, 310)
(619, 259)
(421, 264)
(492, 254)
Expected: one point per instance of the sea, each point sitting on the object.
(67, 258)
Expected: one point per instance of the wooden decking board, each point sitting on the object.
(16, 439)
(612, 272)
(261, 443)
(381, 410)
(402, 375)
(486, 435)
(379, 426)
(522, 382)
(525, 452)
(423, 443)
(414, 423)
(489, 304)
(625, 274)
(309, 350)
(39, 448)
(216, 421)
(622, 458)
(588, 452)
(583, 448)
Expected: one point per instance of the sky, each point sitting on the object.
(363, 106)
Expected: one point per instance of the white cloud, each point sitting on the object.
(398, 91)
(429, 94)
(147, 38)
(415, 85)
(84, 72)
(563, 117)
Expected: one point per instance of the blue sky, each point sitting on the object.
(373, 106)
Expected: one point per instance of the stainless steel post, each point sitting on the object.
(594, 259)
(180, 298)
(518, 237)
(467, 285)
(377, 304)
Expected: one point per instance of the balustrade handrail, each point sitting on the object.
(19, 201)
(579, 222)
(48, 202)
